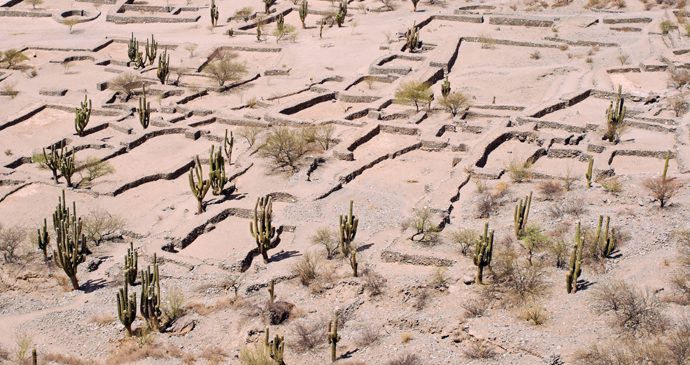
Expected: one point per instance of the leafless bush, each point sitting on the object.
(250, 133)
(374, 283)
(635, 312)
(421, 298)
(479, 349)
(551, 189)
(572, 206)
(404, 359)
(389, 4)
(476, 307)
(125, 83)
(535, 55)
(322, 135)
(369, 334)
(223, 69)
(305, 268)
(560, 248)
(662, 189)
(514, 278)
(678, 77)
(329, 239)
(486, 205)
(679, 105)
(519, 170)
(680, 282)
(533, 313)
(437, 278)
(98, 224)
(11, 241)
(308, 335)
(611, 184)
(464, 238)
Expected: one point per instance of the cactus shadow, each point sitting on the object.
(282, 255)
(583, 285)
(92, 285)
(365, 247)
(348, 354)
(615, 255)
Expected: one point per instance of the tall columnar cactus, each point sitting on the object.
(412, 38)
(144, 109)
(267, 5)
(333, 336)
(34, 357)
(82, 117)
(227, 146)
(445, 88)
(483, 252)
(67, 167)
(348, 231)
(614, 117)
(62, 214)
(150, 305)
(258, 30)
(151, 50)
(71, 249)
(132, 48)
(126, 308)
(44, 239)
(342, 12)
(668, 156)
(303, 12)
(414, 5)
(608, 239)
(276, 348)
(131, 264)
(280, 23)
(214, 14)
(588, 175)
(575, 262)
(353, 262)
(54, 160)
(200, 186)
(521, 215)
(263, 219)
(163, 66)
(217, 174)
(272, 292)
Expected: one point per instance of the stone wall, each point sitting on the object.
(522, 22)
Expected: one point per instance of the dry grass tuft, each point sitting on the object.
(308, 335)
(551, 189)
(406, 337)
(369, 334)
(519, 171)
(102, 319)
(634, 312)
(404, 359)
(213, 354)
(305, 268)
(59, 358)
(533, 313)
(479, 350)
(374, 283)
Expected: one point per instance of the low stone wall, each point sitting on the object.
(626, 20)
(26, 14)
(506, 42)
(581, 43)
(622, 70)
(626, 29)
(521, 22)
(307, 104)
(540, 123)
(568, 153)
(388, 255)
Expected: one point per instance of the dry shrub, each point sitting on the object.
(535, 55)
(437, 278)
(475, 308)
(534, 313)
(572, 206)
(369, 334)
(250, 133)
(551, 189)
(515, 281)
(486, 205)
(220, 304)
(99, 224)
(519, 170)
(479, 349)
(129, 352)
(421, 298)
(284, 146)
(635, 312)
(404, 359)
(662, 189)
(374, 283)
(174, 300)
(329, 239)
(308, 335)
(465, 239)
(102, 319)
(680, 282)
(611, 184)
(560, 245)
(278, 312)
(59, 358)
(11, 242)
(678, 77)
(406, 337)
(213, 354)
(679, 105)
(305, 268)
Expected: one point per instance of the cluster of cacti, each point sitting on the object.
(131, 264)
(126, 308)
(82, 117)
(163, 66)
(348, 230)
(150, 305)
(412, 38)
(227, 146)
(214, 14)
(267, 5)
(445, 88)
(333, 336)
(275, 347)
(132, 48)
(44, 239)
(303, 11)
(521, 215)
(614, 117)
(200, 186)
(263, 217)
(144, 109)
(608, 239)
(59, 161)
(342, 12)
(139, 60)
(414, 4)
(483, 252)
(575, 262)
(70, 242)
(217, 174)
(588, 175)
(151, 50)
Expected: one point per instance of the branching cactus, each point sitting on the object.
(267, 5)
(608, 239)
(214, 14)
(54, 160)
(199, 186)
(144, 109)
(132, 48)
(483, 252)
(348, 231)
(44, 239)
(412, 38)
(62, 214)
(217, 174)
(588, 175)
(227, 146)
(150, 305)
(342, 12)
(82, 117)
(303, 12)
(126, 308)
(445, 88)
(276, 348)
(151, 50)
(71, 249)
(163, 66)
(521, 215)
(131, 264)
(67, 167)
(333, 336)
(263, 217)
(140, 60)
(614, 117)
(575, 262)
(414, 5)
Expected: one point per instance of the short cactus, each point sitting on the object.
(668, 157)
(575, 262)
(200, 186)
(214, 14)
(608, 240)
(163, 66)
(445, 88)
(126, 308)
(44, 239)
(144, 109)
(131, 263)
(342, 12)
(267, 5)
(588, 175)
(54, 160)
(67, 167)
(150, 305)
(151, 50)
(82, 117)
(348, 231)
(483, 252)
(615, 116)
(132, 48)
(217, 174)
(521, 215)
(414, 5)
(333, 336)
(227, 146)
(353, 262)
(412, 38)
(263, 217)
(272, 290)
(276, 349)
(303, 12)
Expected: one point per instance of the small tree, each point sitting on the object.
(412, 92)
(190, 47)
(679, 105)
(13, 57)
(125, 83)
(70, 22)
(456, 101)
(284, 146)
(223, 69)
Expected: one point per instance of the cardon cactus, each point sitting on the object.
(414, 5)
(303, 12)
(412, 38)
(348, 230)
(353, 262)
(276, 348)
(126, 308)
(483, 252)
(44, 239)
(668, 156)
(132, 48)
(214, 14)
(140, 60)
(342, 12)
(163, 66)
(227, 146)
(267, 5)
(67, 167)
(614, 117)
(263, 217)
(151, 50)
(82, 117)
(200, 186)
(521, 215)
(588, 175)
(54, 160)
(608, 240)
(131, 264)
(272, 291)
(217, 174)
(71, 247)
(333, 336)
(280, 23)
(144, 109)
(445, 88)
(575, 262)
(150, 305)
